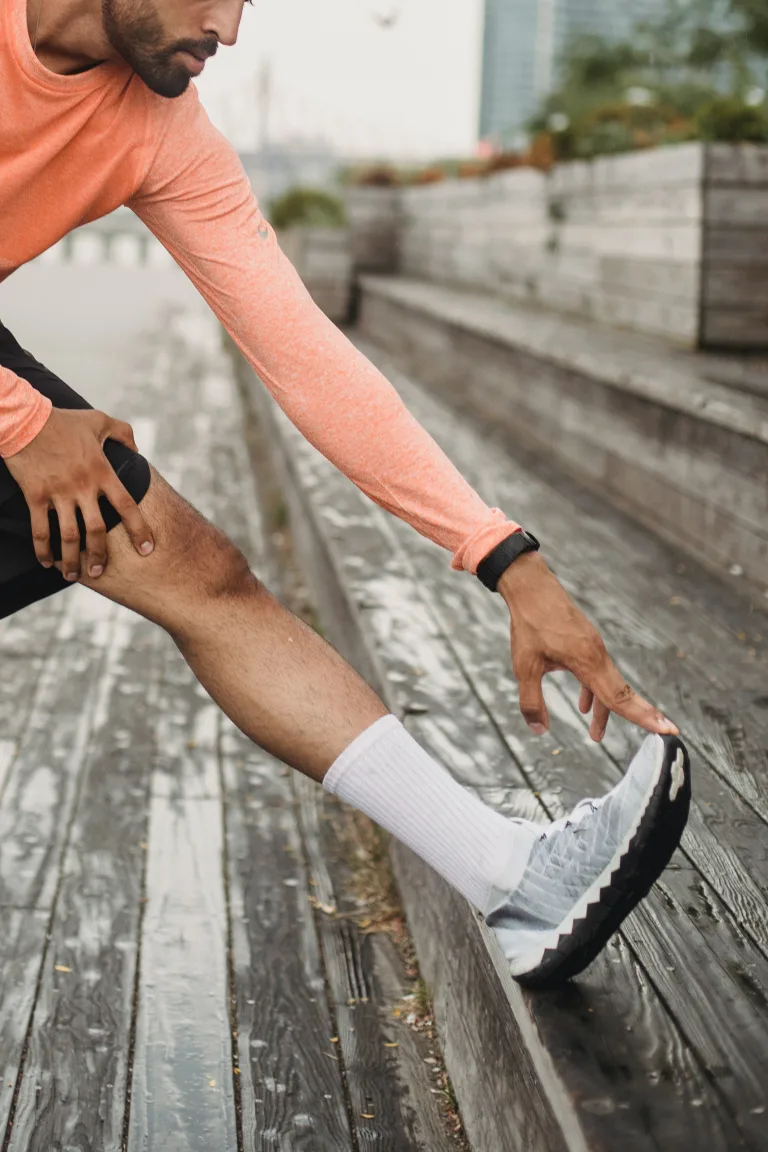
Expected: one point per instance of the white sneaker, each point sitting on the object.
(587, 871)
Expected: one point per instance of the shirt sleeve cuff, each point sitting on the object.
(28, 417)
(477, 546)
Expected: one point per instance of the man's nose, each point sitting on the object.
(224, 21)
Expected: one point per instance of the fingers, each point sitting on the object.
(615, 695)
(131, 516)
(41, 531)
(70, 540)
(599, 721)
(600, 715)
(95, 537)
(532, 703)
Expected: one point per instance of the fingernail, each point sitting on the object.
(96, 570)
(538, 729)
(146, 548)
(47, 563)
(72, 575)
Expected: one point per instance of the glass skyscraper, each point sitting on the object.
(521, 43)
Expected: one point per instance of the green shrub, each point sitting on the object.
(729, 119)
(308, 206)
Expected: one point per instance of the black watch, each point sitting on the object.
(494, 565)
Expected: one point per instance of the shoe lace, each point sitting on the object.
(583, 809)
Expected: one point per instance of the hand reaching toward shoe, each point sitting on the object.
(550, 634)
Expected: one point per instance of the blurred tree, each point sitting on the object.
(307, 206)
(698, 71)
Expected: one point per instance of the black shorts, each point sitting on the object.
(22, 577)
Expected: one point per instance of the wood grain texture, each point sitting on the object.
(290, 1071)
(182, 1093)
(8, 749)
(335, 505)
(22, 947)
(76, 1068)
(41, 788)
(726, 840)
(25, 643)
(291, 1076)
(387, 1111)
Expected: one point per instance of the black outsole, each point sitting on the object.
(651, 849)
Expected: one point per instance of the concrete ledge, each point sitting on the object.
(640, 422)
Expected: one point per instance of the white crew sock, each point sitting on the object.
(390, 778)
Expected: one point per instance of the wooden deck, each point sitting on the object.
(663, 1043)
(180, 963)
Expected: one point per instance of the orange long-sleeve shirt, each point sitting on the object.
(73, 148)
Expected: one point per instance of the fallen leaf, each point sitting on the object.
(391, 1044)
(368, 1115)
(334, 1039)
(61, 968)
(212, 1083)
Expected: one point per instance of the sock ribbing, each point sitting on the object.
(386, 774)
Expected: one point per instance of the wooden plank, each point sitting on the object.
(727, 1030)
(385, 1110)
(22, 951)
(187, 727)
(80, 1034)
(25, 643)
(629, 1114)
(8, 749)
(183, 1090)
(290, 1073)
(689, 613)
(182, 1097)
(42, 784)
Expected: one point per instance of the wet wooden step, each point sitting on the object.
(663, 1042)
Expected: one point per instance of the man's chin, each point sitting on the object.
(169, 82)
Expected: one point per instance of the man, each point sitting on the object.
(98, 111)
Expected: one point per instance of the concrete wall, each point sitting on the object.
(617, 239)
(671, 242)
(735, 281)
(374, 219)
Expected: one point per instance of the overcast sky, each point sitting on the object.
(411, 89)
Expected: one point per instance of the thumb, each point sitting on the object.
(119, 430)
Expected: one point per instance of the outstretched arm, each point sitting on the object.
(197, 200)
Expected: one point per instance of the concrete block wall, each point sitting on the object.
(735, 253)
(670, 242)
(374, 222)
(625, 245)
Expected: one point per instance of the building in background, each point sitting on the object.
(522, 42)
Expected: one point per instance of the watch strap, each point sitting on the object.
(492, 567)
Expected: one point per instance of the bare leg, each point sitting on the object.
(277, 680)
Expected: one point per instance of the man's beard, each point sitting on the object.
(134, 30)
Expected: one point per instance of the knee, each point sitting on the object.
(222, 570)
(216, 575)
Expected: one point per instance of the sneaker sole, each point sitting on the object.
(601, 910)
